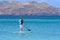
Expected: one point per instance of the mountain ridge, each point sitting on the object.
(27, 8)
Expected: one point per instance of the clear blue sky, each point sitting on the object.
(55, 3)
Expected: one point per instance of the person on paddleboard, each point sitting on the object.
(21, 25)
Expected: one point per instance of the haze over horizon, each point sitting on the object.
(55, 3)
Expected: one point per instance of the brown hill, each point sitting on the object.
(27, 8)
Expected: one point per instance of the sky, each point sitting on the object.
(55, 3)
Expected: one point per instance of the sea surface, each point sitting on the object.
(41, 29)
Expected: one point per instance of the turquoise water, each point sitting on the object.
(42, 29)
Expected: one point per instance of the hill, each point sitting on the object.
(27, 8)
